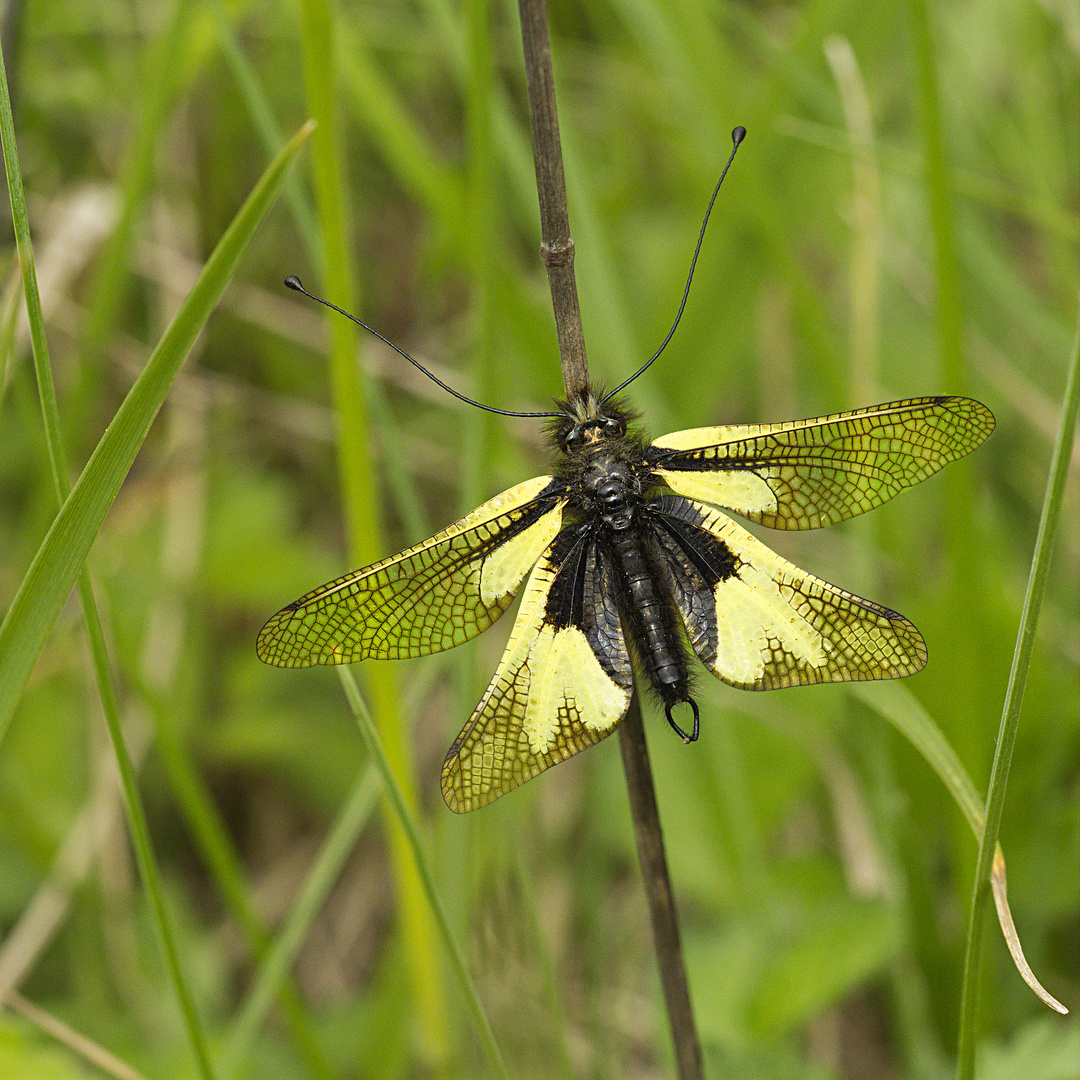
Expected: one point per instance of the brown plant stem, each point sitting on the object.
(654, 873)
(557, 252)
(556, 243)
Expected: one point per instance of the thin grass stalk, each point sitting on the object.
(1010, 714)
(75, 1041)
(360, 504)
(556, 243)
(423, 865)
(274, 966)
(557, 253)
(99, 654)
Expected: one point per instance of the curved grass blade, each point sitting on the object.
(897, 704)
(58, 561)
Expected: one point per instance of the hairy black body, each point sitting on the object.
(622, 535)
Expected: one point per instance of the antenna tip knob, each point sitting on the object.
(294, 283)
(738, 135)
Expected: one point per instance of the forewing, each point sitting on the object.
(428, 598)
(760, 623)
(809, 473)
(563, 683)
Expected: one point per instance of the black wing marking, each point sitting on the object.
(809, 473)
(563, 683)
(760, 623)
(425, 599)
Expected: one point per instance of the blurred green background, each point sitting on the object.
(822, 871)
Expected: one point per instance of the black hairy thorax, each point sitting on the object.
(602, 462)
(610, 485)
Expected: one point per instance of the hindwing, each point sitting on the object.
(808, 473)
(563, 683)
(760, 623)
(428, 598)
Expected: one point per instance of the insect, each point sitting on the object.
(629, 559)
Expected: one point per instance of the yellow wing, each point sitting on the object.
(760, 623)
(563, 683)
(809, 473)
(428, 598)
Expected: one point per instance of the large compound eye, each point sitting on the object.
(573, 438)
(613, 426)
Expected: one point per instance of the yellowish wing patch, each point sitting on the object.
(777, 625)
(809, 473)
(549, 699)
(740, 490)
(428, 598)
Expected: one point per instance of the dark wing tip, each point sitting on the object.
(915, 645)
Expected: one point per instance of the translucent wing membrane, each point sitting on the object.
(563, 683)
(428, 598)
(760, 623)
(809, 473)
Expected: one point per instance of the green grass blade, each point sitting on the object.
(221, 859)
(939, 191)
(99, 653)
(140, 837)
(60, 557)
(409, 828)
(1010, 715)
(361, 505)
